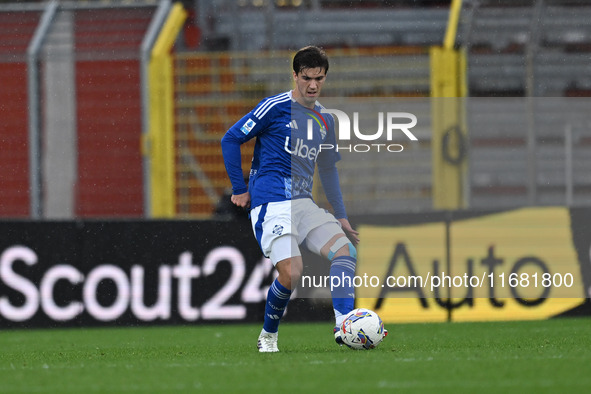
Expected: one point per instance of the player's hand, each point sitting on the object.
(241, 200)
(350, 231)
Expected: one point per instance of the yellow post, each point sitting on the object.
(449, 134)
(452, 24)
(160, 145)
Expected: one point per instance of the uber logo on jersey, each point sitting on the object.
(248, 126)
(301, 149)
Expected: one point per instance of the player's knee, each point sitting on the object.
(342, 247)
(348, 250)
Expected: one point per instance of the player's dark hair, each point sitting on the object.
(310, 57)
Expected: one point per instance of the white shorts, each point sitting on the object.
(297, 218)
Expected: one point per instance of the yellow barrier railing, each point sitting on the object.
(161, 133)
(449, 134)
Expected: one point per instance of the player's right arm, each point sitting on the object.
(233, 161)
(242, 131)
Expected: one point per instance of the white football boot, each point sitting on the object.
(267, 342)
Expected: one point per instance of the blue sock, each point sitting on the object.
(343, 296)
(277, 299)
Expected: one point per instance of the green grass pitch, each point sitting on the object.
(551, 356)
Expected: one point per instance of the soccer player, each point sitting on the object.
(290, 129)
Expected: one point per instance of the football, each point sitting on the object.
(362, 329)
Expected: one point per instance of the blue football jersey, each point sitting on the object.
(287, 149)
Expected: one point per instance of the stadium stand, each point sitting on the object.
(533, 49)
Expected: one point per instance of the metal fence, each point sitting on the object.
(214, 90)
(74, 104)
(520, 151)
(71, 87)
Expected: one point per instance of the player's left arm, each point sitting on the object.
(352, 234)
(242, 131)
(329, 176)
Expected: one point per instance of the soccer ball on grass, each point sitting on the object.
(362, 329)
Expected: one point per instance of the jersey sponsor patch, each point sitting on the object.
(248, 126)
